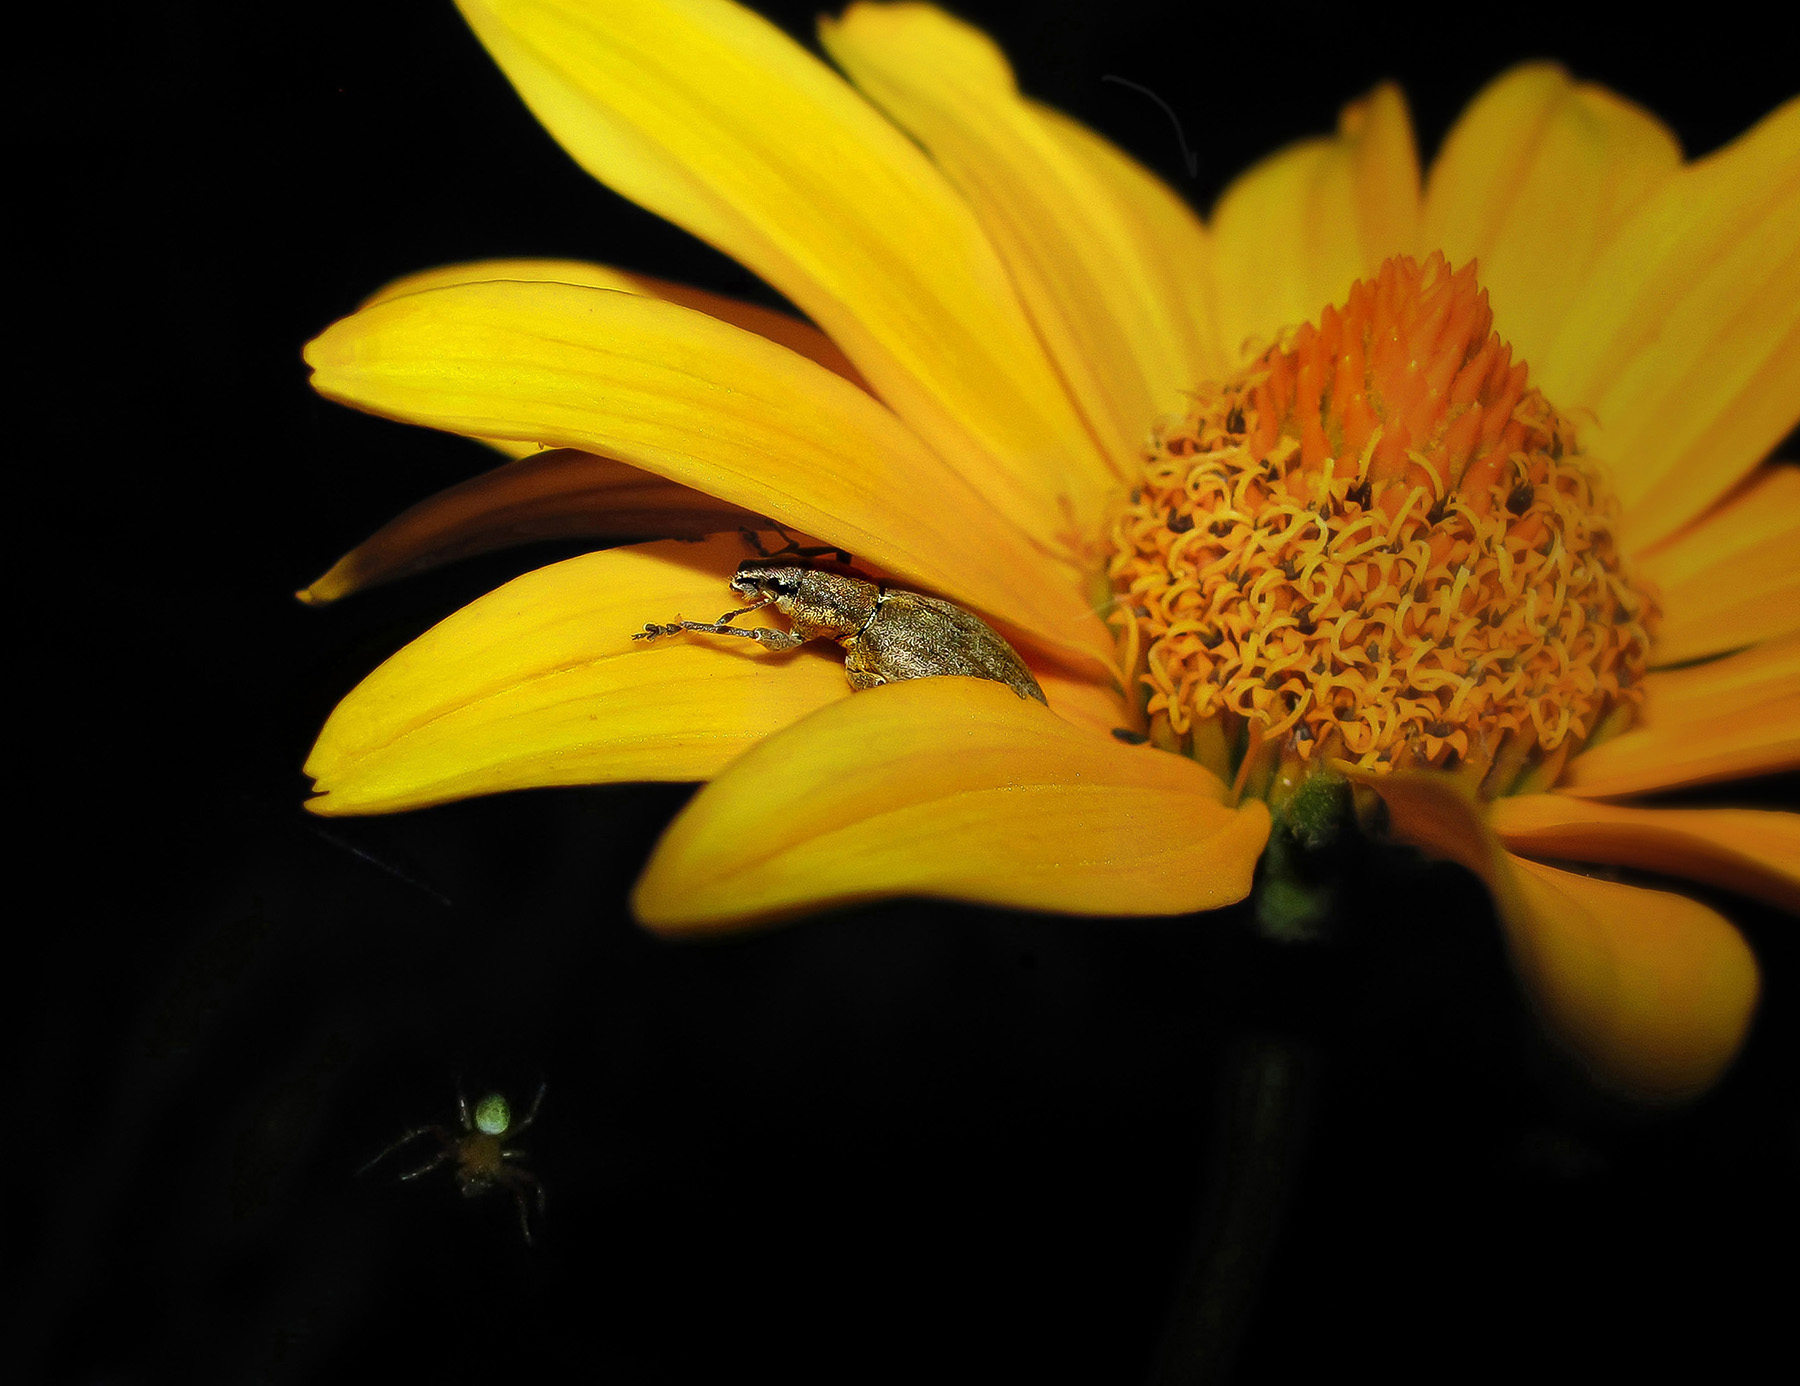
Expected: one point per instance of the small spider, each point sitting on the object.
(482, 1161)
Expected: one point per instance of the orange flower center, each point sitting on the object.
(1378, 543)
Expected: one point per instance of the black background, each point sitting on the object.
(908, 1142)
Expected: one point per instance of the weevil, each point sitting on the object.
(888, 633)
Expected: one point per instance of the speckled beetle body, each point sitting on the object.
(888, 633)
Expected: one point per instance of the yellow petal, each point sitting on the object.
(1078, 257)
(789, 331)
(1097, 706)
(1293, 234)
(1533, 181)
(1171, 243)
(954, 788)
(1730, 579)
(548, 495)
(1652, 992)
(784, 328)
(1722, 720)
(540, 683)
(1684, 343)
(513, 448)
(1752, 851)
(709, 406)
(712, 117)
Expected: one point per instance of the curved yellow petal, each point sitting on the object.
(1077, 256)
(1534, 179)
(710, 116)
(1684, 342)
(556, 494)
(1098, 706)
(1731, 578)
(1292, 234)
(513, 448)
(1171, 245)
(955, 788)
(709, 406)
(1722, 720)
(540, 683)
(561, 493)
(1652, 992)
(783, 328)
(1755, 852)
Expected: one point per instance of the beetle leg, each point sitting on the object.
(860, 667)
(722, 626)
(791, 548)
(766, 636)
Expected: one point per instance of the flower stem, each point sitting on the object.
(1266, 1097)
(1301, 870)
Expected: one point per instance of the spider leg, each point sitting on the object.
(462, 1108)
(531, 1113)
(404, 1140)
(442, 1157)
(524, 1211)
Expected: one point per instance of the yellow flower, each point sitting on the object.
(1040, 387)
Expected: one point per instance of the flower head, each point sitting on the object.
(1426, 489)
(1377, 542)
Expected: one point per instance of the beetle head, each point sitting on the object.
(758, 580)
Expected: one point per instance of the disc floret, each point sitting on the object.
(1377, 544)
